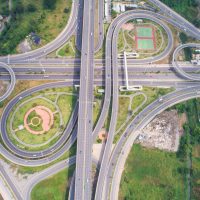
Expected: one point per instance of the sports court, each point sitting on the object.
(144, 32)
(145, 38)
(145, 44)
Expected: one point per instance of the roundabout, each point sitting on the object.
(12, 82)
(35, 123)
(60, 136)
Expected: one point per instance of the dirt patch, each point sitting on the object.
(182, 121)
(196, 151)
(128, 26)
(3, 87)
(103, 135)
(163, 132)
(46, 116)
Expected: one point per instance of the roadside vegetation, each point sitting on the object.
(127, 40)
(32, 170)
(4, 8)
(69, 49)
(152, 174)
(156, 174)
(43, 17)
(54, 187)
(187, 8)
(187, 51)
(126, 114)
(189, 149)
(65, 102)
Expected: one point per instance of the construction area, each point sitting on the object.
(163, 132)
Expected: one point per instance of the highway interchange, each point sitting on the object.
(80, 124)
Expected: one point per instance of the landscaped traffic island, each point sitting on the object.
(38, 121)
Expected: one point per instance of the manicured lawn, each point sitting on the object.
(65, 103)
(55, 187)
(153, 175)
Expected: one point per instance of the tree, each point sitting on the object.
(19, 8)
(49, 4)
(1, 104)
(31, 8)
(66, 10)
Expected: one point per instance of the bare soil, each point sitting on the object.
(163, 132)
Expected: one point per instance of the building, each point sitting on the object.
(121, 7)
(195, 62)
(35, 38)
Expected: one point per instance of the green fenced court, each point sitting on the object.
(144, 32)
(145, 44)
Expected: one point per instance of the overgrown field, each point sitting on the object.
(46, 18)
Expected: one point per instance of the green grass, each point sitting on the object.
(96, 111)
(51, 97)
(55, 187)
(137, 100)
(19, 116)
(24, 135)
(145, 44)
(101, 52)
(196, 173)
(4, 8)
(122, 111)
(187, 8)
(153, 175)
(66, 104)
(44, 22)
(97, 105)
(151, 93)
(35, 121)
(144, 32)
(69, 49)
(32, 170)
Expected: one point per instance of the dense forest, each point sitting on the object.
(187, 8)
(46, 18)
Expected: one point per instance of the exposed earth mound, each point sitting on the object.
(163, 132)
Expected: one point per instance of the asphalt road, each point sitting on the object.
(12, 81)
(111, 88)
(180, 70)
(83, 187)
(126, 140)
(193, 32)
(62, 38)
(103, 170)
(111, 52)
(35, 154)
(53, 153)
